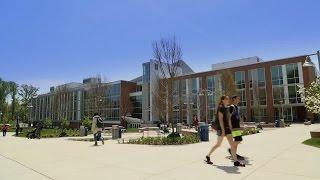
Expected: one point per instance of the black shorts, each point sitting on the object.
(238, 138)
(227, 131)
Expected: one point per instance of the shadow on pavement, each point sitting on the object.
(246, 160)
(229, 169)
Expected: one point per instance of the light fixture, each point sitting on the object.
(308, 62)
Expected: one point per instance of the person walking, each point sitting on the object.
(97, 125)
(235, 121)
(195, 122)
(17, 126)
(5, 128)
(224, 128)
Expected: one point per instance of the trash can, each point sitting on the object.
(179, 128)
(277, 123)
(82, 131)
(120, 132)
(204, 132)
(86, 130)
(115, 131)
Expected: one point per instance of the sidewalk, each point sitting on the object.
(276, 154)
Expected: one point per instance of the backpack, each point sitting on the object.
(99, 122)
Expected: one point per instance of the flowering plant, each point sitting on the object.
(311, 96)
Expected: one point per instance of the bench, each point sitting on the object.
(148, 129)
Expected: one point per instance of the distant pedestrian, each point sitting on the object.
(17, 125)
(5, 128)
(39, 129)
(196, 122)
(97, 127)
(224, 128)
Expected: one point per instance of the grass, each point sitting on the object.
(315, 142)
(132, 130)
(50, 133)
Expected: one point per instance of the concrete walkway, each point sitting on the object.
(273, 154)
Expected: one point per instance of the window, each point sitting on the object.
(239, 78)
(292, 73)
(240, 86)
(294, 96)
(276, 74)
(257, 86)
(278, 94)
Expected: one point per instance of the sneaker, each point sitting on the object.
(239, 164)
(208, 161)
(240, 157)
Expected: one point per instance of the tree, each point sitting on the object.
(13, 88)
(64, 124)
(27, 93)
(168, 53)
(87, 122)
(47, 123)
(95, 95)
(4, 92)
(228, 86)
(310, 95)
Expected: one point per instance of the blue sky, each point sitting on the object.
(46, 42)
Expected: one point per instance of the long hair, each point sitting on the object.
(220, 104)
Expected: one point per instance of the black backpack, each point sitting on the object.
(99, 122)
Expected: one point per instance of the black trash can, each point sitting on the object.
(277, 123)
(120, 132)
(86, 131)
(204, 132)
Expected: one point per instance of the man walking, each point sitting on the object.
(97, 125)
(17, 125)
(235, 121)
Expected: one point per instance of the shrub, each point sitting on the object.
(47, 123)
(170, 140)
(87, 122)
(64, 124)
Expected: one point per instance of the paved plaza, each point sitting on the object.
(273, 154)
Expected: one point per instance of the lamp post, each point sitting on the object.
(309, 63)
(206, 93)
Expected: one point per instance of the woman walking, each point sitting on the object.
(224, 128)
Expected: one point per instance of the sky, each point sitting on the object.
(46, 42)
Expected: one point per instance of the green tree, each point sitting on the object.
(13, 88)
(87, 122)
(47, 123)
(27, 93)
(4, 92)
(64, 124)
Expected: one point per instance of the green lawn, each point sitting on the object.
(50, 133)
(132, 130)
(313, 142)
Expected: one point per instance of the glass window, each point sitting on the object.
(292, 73)
(294, 96)
(278, 94)
(276, 74)
(239, 79)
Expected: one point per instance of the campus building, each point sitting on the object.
(76, 101)
(268, 91)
